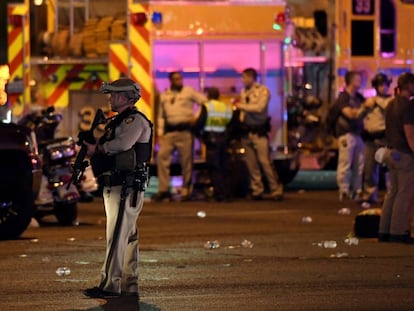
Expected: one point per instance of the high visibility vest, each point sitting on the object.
(218, 116)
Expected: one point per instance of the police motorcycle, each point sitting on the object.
(56, 154)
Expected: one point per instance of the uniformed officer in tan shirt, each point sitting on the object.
(254, 101)
(123, 182)
(174, 130)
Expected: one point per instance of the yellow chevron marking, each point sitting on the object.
(20, 10)
(120, 50)
(140, 43)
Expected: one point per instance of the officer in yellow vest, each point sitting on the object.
(214, 136)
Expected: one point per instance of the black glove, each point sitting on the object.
(85, 136)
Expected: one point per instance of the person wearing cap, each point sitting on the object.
(175, 124)
(373, 135)
(395, 222)
(254, 117)
(120, 161)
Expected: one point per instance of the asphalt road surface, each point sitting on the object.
(283, 268)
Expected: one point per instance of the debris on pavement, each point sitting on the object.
(63, 271)
(212, 244)
(247, 244)
(307, 219)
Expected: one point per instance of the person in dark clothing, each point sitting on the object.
(350, 145)
(395, 223)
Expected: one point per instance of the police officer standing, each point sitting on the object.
(350, 145)
(374, 136)
(174, 129)
(215, 139)
(395, 223)
(120, 161)
(253, 105)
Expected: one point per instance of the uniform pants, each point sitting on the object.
(120, 269)
(350, 163)
(217, 163)
(398, 205)
(371, 172)
(182, 141)
(258, 161)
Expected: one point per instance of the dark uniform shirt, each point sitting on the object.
(400, 111)
(345, 125)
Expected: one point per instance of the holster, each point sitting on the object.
(261, 130)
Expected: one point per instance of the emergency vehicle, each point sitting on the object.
(210, 42)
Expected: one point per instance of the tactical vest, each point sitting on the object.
(133, 159)
(218, 116)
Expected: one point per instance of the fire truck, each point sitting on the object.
(61, 51)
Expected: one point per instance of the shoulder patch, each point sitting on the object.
(129, 120)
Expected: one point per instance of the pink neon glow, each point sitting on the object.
(184, 56)
(229, 56)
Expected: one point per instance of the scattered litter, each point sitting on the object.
(339, 255)
(233, 246)
(212, 244)
(100, 238)
(327, 244)
(307, 219)
(71, 239)
(46, 259)
(398, 276)
(201, 214)
(82, 262)
(344, 211)
(227, 265)
(63, 271)
(34, 240)
(247, 244)
(351, 241)
(366, 205)
(23, 255)
(149, 260)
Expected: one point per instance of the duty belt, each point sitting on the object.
(178, 127)
(137, 179)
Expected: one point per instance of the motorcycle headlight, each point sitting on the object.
(68, 152)
(56, 154)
